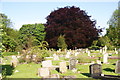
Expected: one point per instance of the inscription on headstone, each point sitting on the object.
(95, 70)
(117, 69)
(72, 63)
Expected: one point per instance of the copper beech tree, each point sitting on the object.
(76, 26)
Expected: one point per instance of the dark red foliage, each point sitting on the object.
(72, 22)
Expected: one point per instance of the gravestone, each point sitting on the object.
(44, 72)
(14, 61)
(68, 55)
(105, 48)
(76, 53)
(95, 70)
(63, 67)
(55, 57)
(72, 63)
(105, 58)
(100, 50)
(47, 63)
(117, 69)
(88, 53)
(98, 62)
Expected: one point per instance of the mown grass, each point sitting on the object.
(30, 70)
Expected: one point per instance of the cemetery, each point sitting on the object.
(80, 66)
(73, 42)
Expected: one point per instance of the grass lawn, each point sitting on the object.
(30, 70)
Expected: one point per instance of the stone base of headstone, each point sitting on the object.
(69, 77)
(55, 76)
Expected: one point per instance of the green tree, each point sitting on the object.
(113, 32)
(31, 35)
(8, 35)
(61, 42)
(104, 40)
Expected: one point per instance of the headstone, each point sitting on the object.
(105, 58)
(55, 57)
(72, 63)
(68, 55)
(63, 67)
(98, 62)
(100, 50)
(47, 63)
(43, 72)
(117, 69)
(116, 52)
(105, 48)
(14, 61)
(95, 70)
(76, 53)
(88, 53)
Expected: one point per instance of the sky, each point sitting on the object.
(36, 11)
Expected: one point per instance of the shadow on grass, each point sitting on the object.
(9, 69)
(109, 70)
(57, 69)
(114, 64)
(86, 74)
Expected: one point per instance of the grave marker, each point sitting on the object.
(95, 70)
(14, 61)
(68, 55)
(55, 57)
(117, 69)
(76, 53)
(72, 63)
(43, 72)
(105, 58)
(47, 63)
(98, 62)
(63, 67)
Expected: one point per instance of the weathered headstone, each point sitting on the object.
(55, 57)
(105, 48)
(47, 63)
(98, 62)
(76, 53)
(100, 50)
(44, 72)
(116, 52)
(72, 63)
(14, 61)
(88, 53)
(95, 70)
(68, 55)
(117, 69)
(63, 67)
(105, 58)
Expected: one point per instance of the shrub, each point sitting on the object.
(34, 54)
